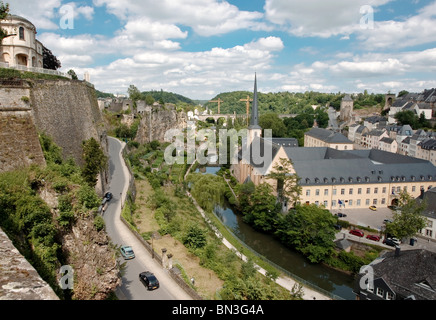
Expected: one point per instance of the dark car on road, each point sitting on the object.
(341, 215)
(149, 280)
(391, 242)
(108, 196)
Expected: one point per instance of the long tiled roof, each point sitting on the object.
(328, 136)
(325, 166)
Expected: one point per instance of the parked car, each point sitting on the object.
(373, 237)
(373, 208)
(108, 196)
(149, 280)
(392, 242)
(127, 252)
(341, 215)
(338, 227)
(387, 221)
(357, 232)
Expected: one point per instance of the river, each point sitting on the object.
(333, 281)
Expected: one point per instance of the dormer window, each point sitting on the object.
(21, 33)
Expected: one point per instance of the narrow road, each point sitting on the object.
(132, 288)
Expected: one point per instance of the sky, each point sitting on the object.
(200, 48)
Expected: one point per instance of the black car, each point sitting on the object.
(108, 196)
(341, 215)
(390, 242)
(149, 280)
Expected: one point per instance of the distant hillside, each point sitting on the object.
(168, 97)
(287, 102)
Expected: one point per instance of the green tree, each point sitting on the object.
(95, 161)
(273, 122)
(408, 220)
(195, 237)
(407, 117)
(207, 189)
(4, 11)
(134, 93)
(288, 187)
(263, 208)
(73, 74)
(310, 230)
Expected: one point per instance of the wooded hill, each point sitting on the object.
(288, 103)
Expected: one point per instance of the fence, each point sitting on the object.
(34, 69)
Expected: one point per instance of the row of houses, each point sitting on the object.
(393, 138)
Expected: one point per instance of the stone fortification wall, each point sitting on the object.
(19, 142)
(158, 120)
(18, 279)
(63, 109)
(68, 112)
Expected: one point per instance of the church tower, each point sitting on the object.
(254, 130)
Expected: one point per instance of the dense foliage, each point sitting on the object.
(29, 221)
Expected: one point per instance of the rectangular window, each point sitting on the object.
(380, 292)
(351, 191)
(374, 202)
(350, 203)
(326, 192)
(342, 191)
(389, 296)
(414, 189)
(359, 191)
(383, 201)
(317, 203)
(334, 192)
(333, 203)
(358, 203)
(367, 202)
(307, 193)
(368, 190)
(375, 190)
(317, 192)
(326, 203)
(384, 190)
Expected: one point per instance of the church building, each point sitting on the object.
(336, 178)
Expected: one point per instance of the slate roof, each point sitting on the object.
(413, 272)
(428, 144)
(326, 166)
(328, 136)
(387, 140)
(286, 142)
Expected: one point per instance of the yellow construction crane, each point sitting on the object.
(248, 100)
(219, 104)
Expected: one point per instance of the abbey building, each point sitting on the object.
(337, 178)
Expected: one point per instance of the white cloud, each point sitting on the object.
(205, 17)
(40, 12)
(318, 17)
(415, 30)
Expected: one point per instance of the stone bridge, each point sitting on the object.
(215, 117)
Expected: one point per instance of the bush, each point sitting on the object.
(99, 223)
(88, 198)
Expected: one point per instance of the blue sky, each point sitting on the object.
(200, 48)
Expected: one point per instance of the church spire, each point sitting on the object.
(254, 124)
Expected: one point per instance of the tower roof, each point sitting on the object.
(254, 124)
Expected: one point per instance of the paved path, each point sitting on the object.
(132, 288)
